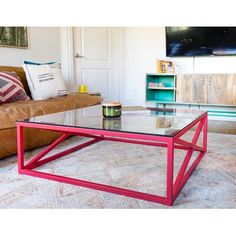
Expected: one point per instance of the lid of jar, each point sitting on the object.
(111, 104)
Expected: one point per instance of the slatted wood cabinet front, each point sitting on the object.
(206, 88)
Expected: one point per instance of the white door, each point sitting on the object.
(98, 52)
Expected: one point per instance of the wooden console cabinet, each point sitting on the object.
(206, 88)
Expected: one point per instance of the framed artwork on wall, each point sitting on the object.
(13, 37)
(165, 67)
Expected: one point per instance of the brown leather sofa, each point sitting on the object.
(10, 112)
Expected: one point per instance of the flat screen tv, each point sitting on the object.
(200, 41)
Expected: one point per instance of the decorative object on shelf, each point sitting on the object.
(164, 66)
(83, 88)
(151, 85)
(160, 85)
(156, 85)
(111, 109)
(13, 37)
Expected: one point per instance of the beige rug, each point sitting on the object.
(138, 167)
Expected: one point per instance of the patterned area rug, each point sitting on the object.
(137, 167)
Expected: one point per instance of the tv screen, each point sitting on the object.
(200, 41)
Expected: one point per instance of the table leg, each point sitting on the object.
(20, 147)
(170, 170)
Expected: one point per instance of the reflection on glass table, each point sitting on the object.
(155, 121)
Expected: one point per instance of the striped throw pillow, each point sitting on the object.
(11, 88)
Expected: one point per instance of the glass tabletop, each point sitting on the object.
(154, 121)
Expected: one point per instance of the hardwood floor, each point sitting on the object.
(223, 127)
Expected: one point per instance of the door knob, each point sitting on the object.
(79, 56)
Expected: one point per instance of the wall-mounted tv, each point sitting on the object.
(200, 41)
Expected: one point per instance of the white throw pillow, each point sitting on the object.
(44, 80)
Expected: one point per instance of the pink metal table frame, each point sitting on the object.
(173, 187)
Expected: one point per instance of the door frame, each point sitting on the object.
(67, 57)
(68, 60)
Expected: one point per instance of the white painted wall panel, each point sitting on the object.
(142, 46)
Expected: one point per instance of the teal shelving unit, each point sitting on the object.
(165, 97)
(160, 88)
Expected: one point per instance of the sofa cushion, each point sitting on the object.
(33, 138)
(11, 88)
(44, 80)
(11, 112)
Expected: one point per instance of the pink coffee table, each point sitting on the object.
(156, 127)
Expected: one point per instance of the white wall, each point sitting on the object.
(44, 45)
(143, 45)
